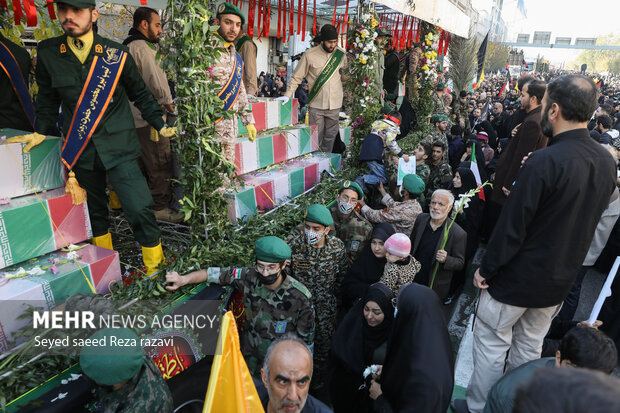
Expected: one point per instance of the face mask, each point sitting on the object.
(268, 279)
(313, 237)
(345, 207)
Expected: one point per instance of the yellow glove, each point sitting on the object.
(33, 139)
(168, 132)
(251, 131)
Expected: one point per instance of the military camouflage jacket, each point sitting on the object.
(268, 314)
(146, 392)
(319, 269)
(401, 215)
(439, 178)
(353, 229)
(423, 171)
(439, 106)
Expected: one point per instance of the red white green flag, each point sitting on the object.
(473, 166)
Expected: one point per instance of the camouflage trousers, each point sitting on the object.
(325, 327)
(227, 131)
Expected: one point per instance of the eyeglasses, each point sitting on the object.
(267, 268)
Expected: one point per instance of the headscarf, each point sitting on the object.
(479, 157)
(367, 268)
(468, 181)
(355, 341)
(418, 373)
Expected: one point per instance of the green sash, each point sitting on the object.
(242, 41)
(326, 73)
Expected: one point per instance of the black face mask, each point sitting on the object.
(267, 279)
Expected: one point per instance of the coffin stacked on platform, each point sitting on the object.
(282, 163)
(37, 220)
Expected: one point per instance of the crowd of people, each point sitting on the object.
(353, 306)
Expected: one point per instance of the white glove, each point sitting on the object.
(283, 99)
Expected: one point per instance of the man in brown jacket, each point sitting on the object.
(246, 48)
(155, 159)
(526, 137)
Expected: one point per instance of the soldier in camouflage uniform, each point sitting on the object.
(230, 19)
(319, 260)
(128, 381)
(441, 173)
(422, 157)
(352, 228)
(438, 134)
(274, 304)
(401, 215)
(460, 113)
(439, 105)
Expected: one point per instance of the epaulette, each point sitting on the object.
(297, 284)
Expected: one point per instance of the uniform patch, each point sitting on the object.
(63, 48)
(237, 273)
(280, 327)
(355, 246)
(98, 48)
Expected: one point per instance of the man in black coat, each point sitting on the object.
(390, 74)
(541, 238)
(426, 240)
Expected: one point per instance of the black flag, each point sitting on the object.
(482, 53)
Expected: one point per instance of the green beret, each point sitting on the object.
(441, 86)
(439, 118)
(114, 356)
(413, 184)
(319, 214)
(80, 4)
(353, 186)
(272, 249)
(227, 8)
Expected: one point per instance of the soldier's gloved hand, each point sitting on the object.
(251, 131)
(283, 99)
(33, 139)
(168, 132)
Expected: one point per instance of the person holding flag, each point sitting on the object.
(321, 66)
(15, 101)
(93, 79)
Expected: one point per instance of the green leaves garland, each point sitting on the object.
(361, 87)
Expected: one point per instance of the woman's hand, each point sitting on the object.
(375, 390)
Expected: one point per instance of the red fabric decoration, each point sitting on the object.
(346, 15)
(395, 38)
(314, 18)
(259, 32)
(298, 17)
(284, 21)
(291, 20)
(251, 10)
(279, 19)
(4, 4)
(410, 36)
(403, 32)
(335, 8)
(17, 12)
(31, 12)
(267, 20)
(50, 8)
(447, 43)
(303, 30)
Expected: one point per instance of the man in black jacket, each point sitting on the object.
(541, 238)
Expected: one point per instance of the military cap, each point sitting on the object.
(353, 186)
(113, 361)
(272, 249)
(413, 184)
(439, 118)
(319, 214)
(441, 86)
(80, 4)
(227, 8)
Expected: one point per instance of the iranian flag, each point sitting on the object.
(473, 166)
